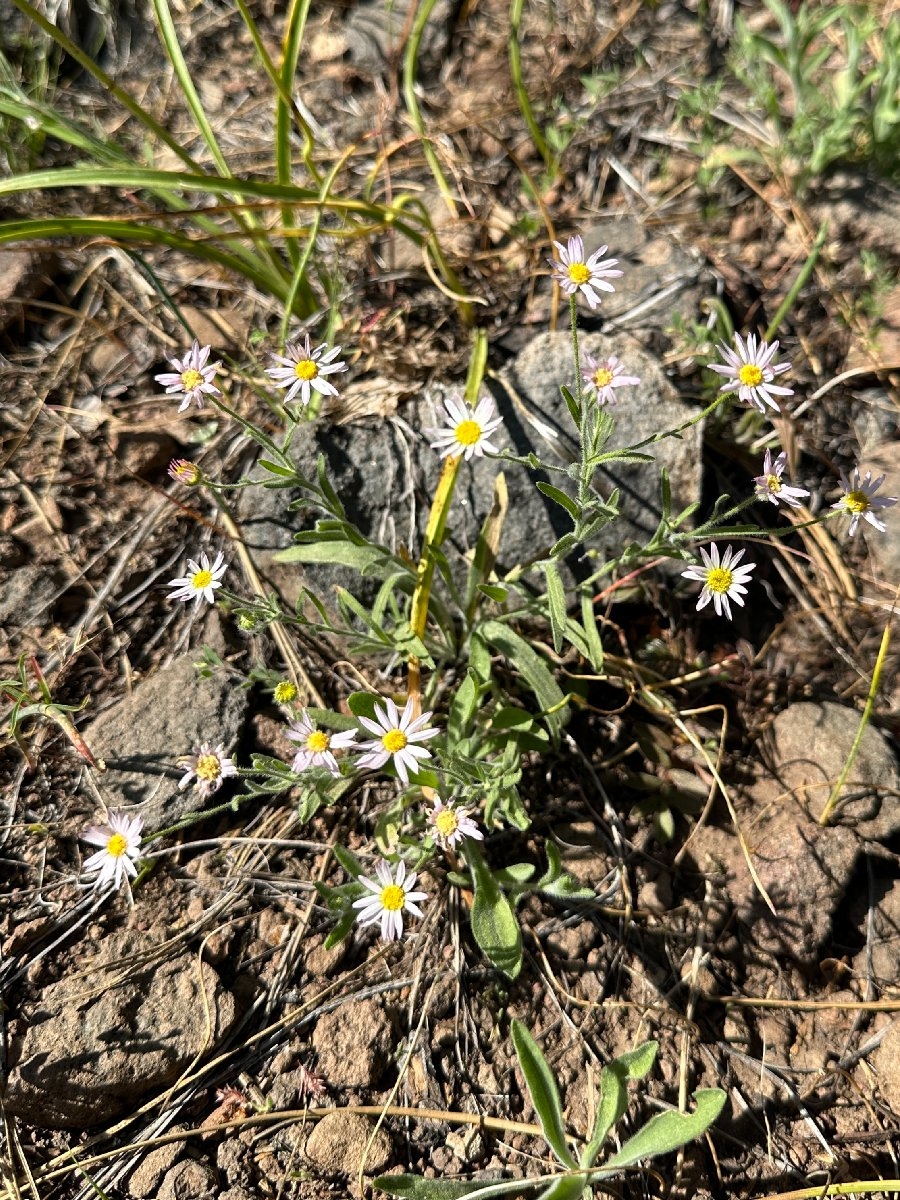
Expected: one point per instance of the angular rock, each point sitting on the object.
(347, 1142)
(386, 473)
(809, 744)
(353, 1044)
(141, 736)
(97, 1044)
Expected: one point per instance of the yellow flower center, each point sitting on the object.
(719, 580)
(202, 579)
(393, 897)
(306, 369)
(318, 742)
(603, 377)
(773, 483)
(467, 432)
(446, 823)
(285, 692)
(191, 379)
(394, 740)
(208, 767)
(857, 502)
(578, 273)
(750, 375)
(117, 845)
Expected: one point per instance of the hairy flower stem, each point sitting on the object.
(434, 535)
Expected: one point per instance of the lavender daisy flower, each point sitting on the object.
(575, 274)
(859, 500)
(202, 581)
(770, 487)
(750, 372)
(722, 580)
(467, 430)
(120, 842)
(304, 370)
(192, 378)
(390, 898)
(603, 377)
(396, 736)
(317, 746)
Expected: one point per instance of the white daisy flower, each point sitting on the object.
(859, 500)
(604, 377)
(208, 766)
(120, 842)
(390, 899)
(202, 581)
(575, 274)
(303, 370)
(192, 378)
(450, 824)
(467, 430)
(722, 581)
(317, 746)
(769, 485)
(750, 372)
(396, 737)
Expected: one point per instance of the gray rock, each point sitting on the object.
(141, 736)
(809, 744)
(386, 473)
(147, 1175)
(124, 1027)
(347, 1142)
(353, 1044)
(189, 1180)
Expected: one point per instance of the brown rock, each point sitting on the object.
(146, 1177)
(189, 1180)
(353, 1044)
(125, 1027)
(347, 1142)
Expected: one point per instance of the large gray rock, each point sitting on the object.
(126, 1026)
(142, 735)
(385, 473)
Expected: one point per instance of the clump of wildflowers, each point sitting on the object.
(303, 370)
(317, 746)
(450, 824)
(391, 897)
(208, 766)
(396, 737)
(750, 372)
(604, 377)
(202, 580)
(192, 377)
(769, 485)
(723, 580)
(859, 500)
(467, 430)
(576, 274)
(120, 842)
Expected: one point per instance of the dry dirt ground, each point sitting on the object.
(202, 1041)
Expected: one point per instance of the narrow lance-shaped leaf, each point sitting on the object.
(613, 1094)
(556, 602)
(494, 922)
(543, 1091)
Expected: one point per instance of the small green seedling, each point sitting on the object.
(662, 1134)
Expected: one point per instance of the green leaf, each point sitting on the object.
(341, 930)
(572, 406)
(556, 602)
(463, 707)
(364, 559)
(569, 1187)
(493, 919)
(567, 542)
(494, 591)
(348, 861)
(416, 1188)
(560, 497)
(634, 1064)
(534, 670)
(275, 469)
(669, 1131)
(543, 1091)
(593, 645)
